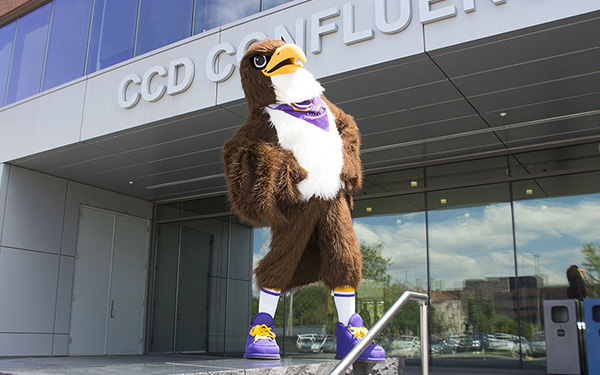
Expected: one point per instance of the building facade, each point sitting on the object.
(480, 124)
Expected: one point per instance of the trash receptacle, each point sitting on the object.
(591, 309)
(562, 336)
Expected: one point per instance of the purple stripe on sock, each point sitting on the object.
(271, 292)
(343, 295)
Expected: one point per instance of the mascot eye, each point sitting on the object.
(259, 61)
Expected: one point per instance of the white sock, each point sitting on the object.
(344, 303)
(268, 300)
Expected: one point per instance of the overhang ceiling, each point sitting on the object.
(529, 87)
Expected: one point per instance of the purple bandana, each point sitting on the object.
(313, 111)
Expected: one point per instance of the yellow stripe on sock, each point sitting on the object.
(344, 289)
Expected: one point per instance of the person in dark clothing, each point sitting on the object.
(577, 288)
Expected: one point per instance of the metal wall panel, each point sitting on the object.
(333, 55)
(102, 114)
(63, 297)
(60, 345)
(83, 194)
(28, 308)
(34, 211)
(44, 122)
(490, 19)
(12, 344)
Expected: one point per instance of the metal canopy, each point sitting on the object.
(528, 87)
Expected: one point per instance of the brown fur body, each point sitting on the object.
(311, 240)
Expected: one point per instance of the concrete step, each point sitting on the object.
(187, 365)
(391, 366)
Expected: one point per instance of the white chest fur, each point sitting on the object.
(316, 150)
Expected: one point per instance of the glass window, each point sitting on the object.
(67, 42)
(396, 181)
(556, 160)
(554, 229)
(205, 206)
(28, 56)
(467, 172)
(169, 211)
(7, 36)
(273, 3)
(472, 276)
(213, 13)
(392, 237)
(113, 33)
(163, 22)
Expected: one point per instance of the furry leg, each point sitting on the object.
(289, 242)
(341, 260)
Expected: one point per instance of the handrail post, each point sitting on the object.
(380, 325)
(424, 340)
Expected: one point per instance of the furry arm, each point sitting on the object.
(260, 175)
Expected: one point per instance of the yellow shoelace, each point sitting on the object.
(262, 332)
(358, 332)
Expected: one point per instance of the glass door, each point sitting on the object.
(182, 283)
(192, 289)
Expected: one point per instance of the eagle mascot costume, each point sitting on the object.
(294, 164)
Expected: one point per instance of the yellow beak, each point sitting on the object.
(286, 59)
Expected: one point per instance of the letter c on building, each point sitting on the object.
(212, 62)
(147, 81)
(122, 93)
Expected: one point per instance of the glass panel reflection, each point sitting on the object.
(394, 251)
(28, 55)
(552, 234)
(163, 22)
(67, 42)
(165, 286)
(7, 35)
(472, 276)
(261, 238)
(213, 13)
(273, 3)
(112, 34)
(555, 160)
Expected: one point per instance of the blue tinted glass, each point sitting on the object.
(67, 42)
(28, 56)
(213, 13)
(163, 22)
(113, 32)
(273, 3)
(7, 34)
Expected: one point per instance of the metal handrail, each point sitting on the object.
(380, 325)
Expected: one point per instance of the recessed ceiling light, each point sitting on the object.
(130, 182)
(414, 184)
(529, 191)
(443, 201)
(502, 114)
(369, 209)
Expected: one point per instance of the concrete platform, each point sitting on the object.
(204, 365)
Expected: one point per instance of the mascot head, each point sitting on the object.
(273, 72)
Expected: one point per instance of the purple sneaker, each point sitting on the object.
(348, 336)
(261, 343)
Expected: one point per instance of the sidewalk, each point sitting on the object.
(187, 365)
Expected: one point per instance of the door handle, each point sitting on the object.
(112, 309)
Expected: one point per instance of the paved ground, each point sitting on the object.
(180, 365)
